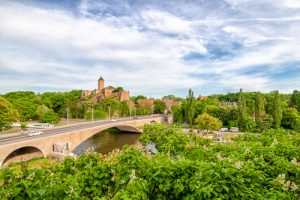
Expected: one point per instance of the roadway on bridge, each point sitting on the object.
(69, 128)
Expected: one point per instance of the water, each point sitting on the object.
(108, 140)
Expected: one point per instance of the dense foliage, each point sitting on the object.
(51, 106)
(250, 166)
(7, 114)
(207, 123)
(250, 111)
(31, 106)
(159, 107)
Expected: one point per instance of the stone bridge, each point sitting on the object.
(44, 145)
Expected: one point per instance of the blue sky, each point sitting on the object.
(151, 47)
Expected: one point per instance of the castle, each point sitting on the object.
(103, 92)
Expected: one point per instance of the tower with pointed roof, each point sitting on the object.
(100, 84)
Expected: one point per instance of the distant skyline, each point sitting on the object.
(150, 47)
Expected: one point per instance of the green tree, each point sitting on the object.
(172, 97)
(291, 119)
(41, 110)
(8, 115)
(277, 109)
(134, 99)
(190, 108)
(50, 117)
(124, 109)
(109, 105)
(178, 116)
(208, 123)
(295, 100)
(98, 114)
(55, 101)
(159, 107)
(72, 101)
(118, 89)
(25, 102)
(242, 109)
(226, 114)
(259, 109)
(249, 124)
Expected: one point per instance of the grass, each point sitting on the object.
(35, 163)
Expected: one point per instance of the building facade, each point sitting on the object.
(103, 92)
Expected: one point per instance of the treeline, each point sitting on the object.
(46, 107)
(50, 107)
(250, 111)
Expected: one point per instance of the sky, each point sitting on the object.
(150, 47)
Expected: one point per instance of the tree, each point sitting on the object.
(178, 117)
(118, 89)
(98, 114)
(190, 107)
(72, 101)
(207, 123)
(242, 109)
(25, 102)
(259, 109)
(159, 107)
(295, 100)
(134, 99)
(277, 109)
(249, 124)
(55, 101)
(172, 97)
(291, 119)
(124, 109)
(50, 117)
(226, 114)
(7, 114)
(41, 110)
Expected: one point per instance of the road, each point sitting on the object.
(68, 128)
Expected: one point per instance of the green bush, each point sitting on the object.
(265, 166)
(50, 117)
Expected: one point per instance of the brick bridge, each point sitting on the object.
(45, 145)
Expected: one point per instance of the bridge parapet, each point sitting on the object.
(45, 143)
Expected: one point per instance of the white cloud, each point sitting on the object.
(248, 83)
(291, 3)
(51, 41)
(165, 22)
(143, 51)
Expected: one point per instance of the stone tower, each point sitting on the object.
(100, 84)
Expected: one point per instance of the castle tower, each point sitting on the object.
(100, 84)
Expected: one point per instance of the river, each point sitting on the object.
(108, 140)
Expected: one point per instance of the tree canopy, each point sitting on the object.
(8, 114)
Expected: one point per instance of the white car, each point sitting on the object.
(113, 120)
(33, 133)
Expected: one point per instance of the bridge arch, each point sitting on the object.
(126, 128)
(22, 154)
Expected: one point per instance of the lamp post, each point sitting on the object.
(109, 112)
(68, 109)
(92, 114)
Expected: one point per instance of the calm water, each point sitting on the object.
(106, 141)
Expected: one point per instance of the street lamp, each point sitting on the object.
(68, 109)
(92, 114)
(109, 112)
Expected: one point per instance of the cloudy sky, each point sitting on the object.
(151, 47)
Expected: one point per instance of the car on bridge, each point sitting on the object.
(33, 133)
